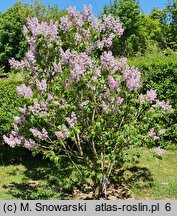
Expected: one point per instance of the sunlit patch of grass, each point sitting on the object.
(163, 181)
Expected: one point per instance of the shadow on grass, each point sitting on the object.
(140, 177)
(42, 180)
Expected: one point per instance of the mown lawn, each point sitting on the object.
(151, 178)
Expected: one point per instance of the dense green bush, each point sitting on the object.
(9, 103)
(159, 71)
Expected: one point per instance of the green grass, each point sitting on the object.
(151, 178)
(159, 58)
(34, 179)
(154, 178)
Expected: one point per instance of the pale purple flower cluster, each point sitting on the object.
(40, 108)
(23, 110)
(154, 135)
(23, 90)
(114, 84)
(132, 77)
(16, 64)
(162, 131)
(98, 25)
(50, 98)
(118, 102)
(164, 105)
(30, 144)
(151, 95)
(97, 74)
(79, 38)
(159, 151)
(42, 135)
(49, 31)
(30, 58)
(105, 106)
(19, 120)
(79, 63)
(142, 97)
(24, 64)
(41, 85)
(83, 35)
(64, 133)
(105, 42)
(108, 62)
(65, 23)
(113, 24)
(78, 18)
(122, 63)
(57, 67)
(87, 13)
(72, 121)
(84, 103)
(14, 138)
(109, 23)
(66, 55)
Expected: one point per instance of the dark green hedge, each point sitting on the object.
(160, 72)
(9, 103)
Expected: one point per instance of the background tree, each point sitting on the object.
(12, 41)
(129, 13)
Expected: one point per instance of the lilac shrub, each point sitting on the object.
(79, 99)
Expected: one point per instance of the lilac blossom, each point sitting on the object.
(132, 77)
(84, 103)
(97, 25)
(105, 106)
(57, 67)
(19, 120)
(72, 121)
(50, 98)
(16, 64)
(141, 97)
(87, 14)
(65, 23)
(64, 133)
(159, 151)
(31, 58)
(14, 138)
(164, 105)
(151, 95)
(108, 61)
(41, 85)
(12, 141)
(161, 132)
(40, 108)
(49, 31)
(114, 84)
(97, 74)
(79, 64)
(30, 144)
(23, 110)
(79, 38)
(151, 133)
(123, 63)
(113, 24)
(23, 90)
(118, 102)
(42, 135)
